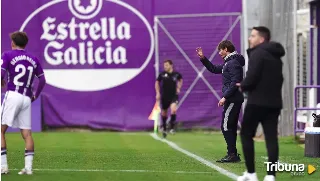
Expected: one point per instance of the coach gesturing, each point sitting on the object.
(263, 83)
(232, 99)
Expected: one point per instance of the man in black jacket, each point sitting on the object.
(232, 73)
(263, 84)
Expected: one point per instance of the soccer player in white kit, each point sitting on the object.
(20, 67)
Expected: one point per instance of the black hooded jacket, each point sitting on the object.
(264, 78)
(232, 73)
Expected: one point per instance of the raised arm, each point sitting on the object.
(216, 69)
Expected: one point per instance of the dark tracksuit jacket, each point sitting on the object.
(264, 79)
(232, 73)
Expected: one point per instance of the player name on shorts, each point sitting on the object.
(85, 53)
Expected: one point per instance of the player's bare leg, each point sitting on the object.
(173, 108)
(4, 163)
(164, 117)
(29, 151)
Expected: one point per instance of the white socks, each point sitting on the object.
(4, 163)
(28, 158)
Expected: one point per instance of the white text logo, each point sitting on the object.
(88, 48)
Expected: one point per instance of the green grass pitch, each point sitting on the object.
(101, 156)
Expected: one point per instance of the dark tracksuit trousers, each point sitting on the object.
(229, 125)
(268, 117)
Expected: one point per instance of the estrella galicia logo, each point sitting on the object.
(85, 9)
(89, 45)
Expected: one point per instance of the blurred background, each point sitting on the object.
(101, 58)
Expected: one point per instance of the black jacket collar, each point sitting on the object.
(250, 50)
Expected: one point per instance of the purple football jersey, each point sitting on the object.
(21, 68)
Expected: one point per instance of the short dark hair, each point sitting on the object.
(19, 38)
(168, 61)
(226, 44)
(263, 32)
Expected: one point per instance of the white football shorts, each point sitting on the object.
(16, 110)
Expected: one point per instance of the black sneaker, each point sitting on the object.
(232, 158)
(164, 134)
(221, 160)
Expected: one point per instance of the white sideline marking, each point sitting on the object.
(132, 171)
(196, 157)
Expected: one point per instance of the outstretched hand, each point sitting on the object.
(199, 52)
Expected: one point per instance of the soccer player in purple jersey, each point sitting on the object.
(20, 67)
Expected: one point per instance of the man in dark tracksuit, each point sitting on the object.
(232, 100)
(263, 84)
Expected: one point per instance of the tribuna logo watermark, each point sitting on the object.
(293, 169)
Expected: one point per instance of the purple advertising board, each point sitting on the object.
(99, 62)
